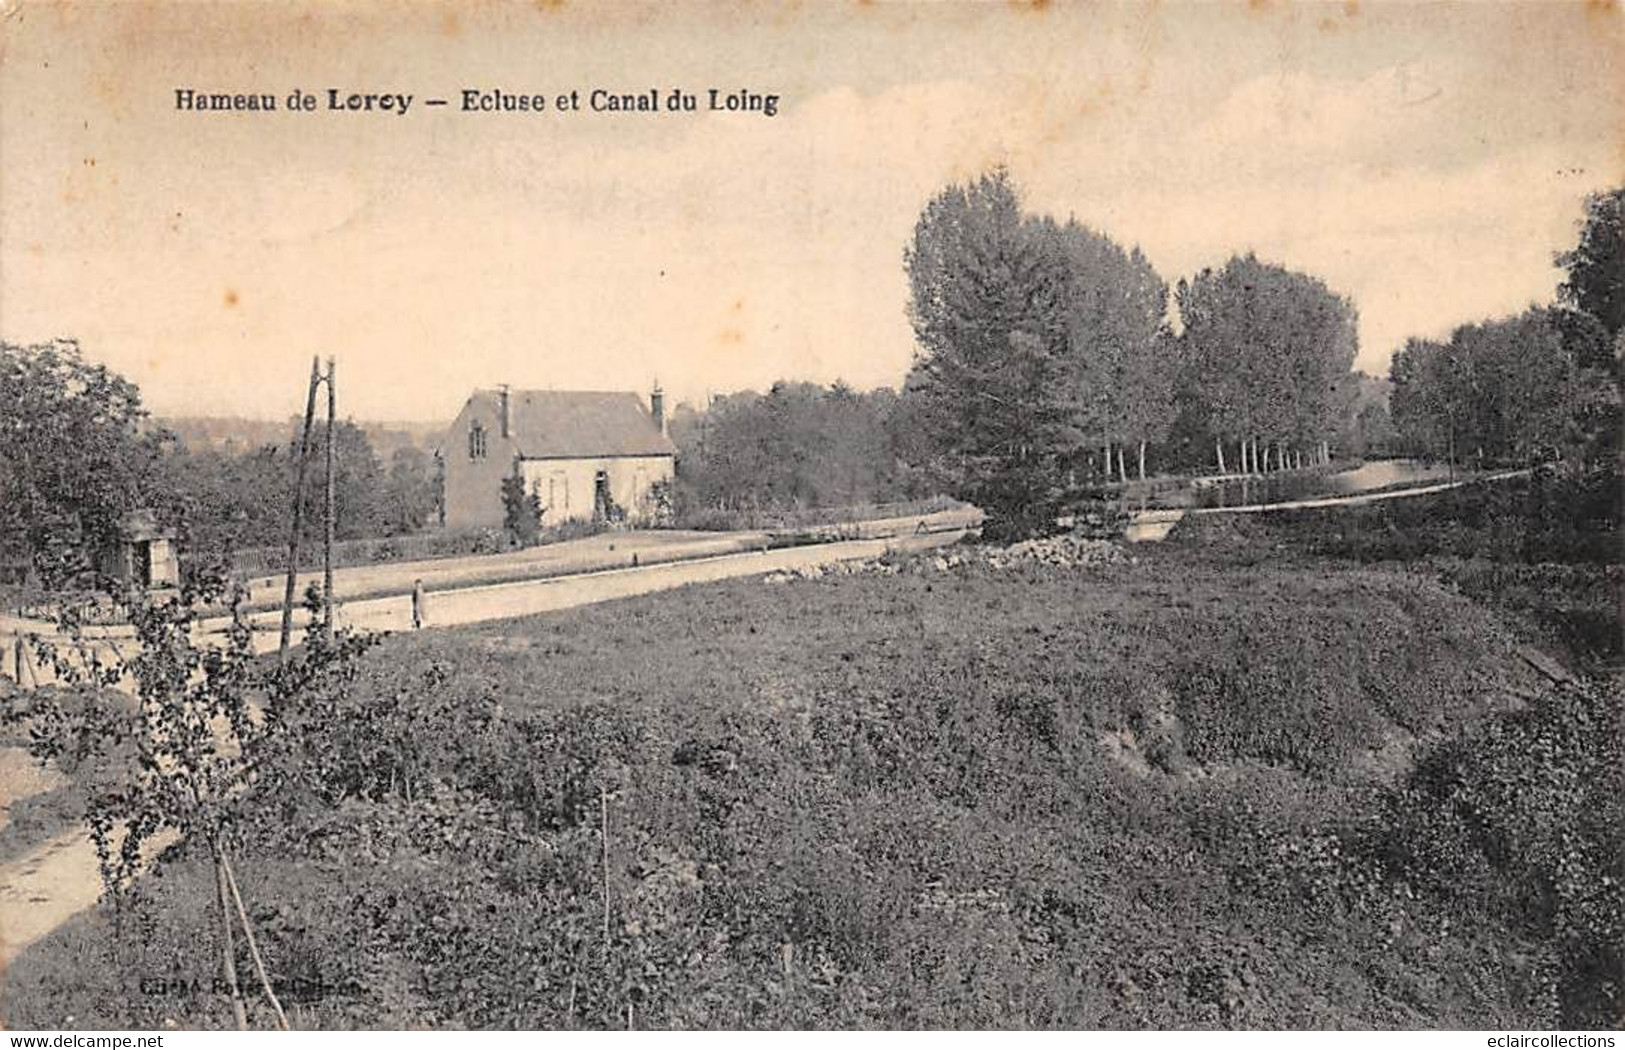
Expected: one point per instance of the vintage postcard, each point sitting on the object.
(577, 515)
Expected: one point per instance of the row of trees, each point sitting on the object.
(1268, 358)
(798, 445)
(1046, 358)
(231, 501)
(1542, 384)
(1042, 343)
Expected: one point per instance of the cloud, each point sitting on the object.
(1312, 122)
(1329, 176)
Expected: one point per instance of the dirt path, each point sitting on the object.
(44, 889)
(50, 885)
(22, 777)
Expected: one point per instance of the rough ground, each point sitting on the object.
(55, 881)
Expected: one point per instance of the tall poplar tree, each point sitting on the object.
(987, 302)
(1115, 303)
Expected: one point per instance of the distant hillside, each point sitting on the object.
(389, 435)
(227, 434)
(230, 434)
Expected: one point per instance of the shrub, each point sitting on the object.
(1525, 815)
(521, 510)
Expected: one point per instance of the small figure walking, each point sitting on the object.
(417, 604)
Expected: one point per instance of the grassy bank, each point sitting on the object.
(1544, 548)
(1185, 792)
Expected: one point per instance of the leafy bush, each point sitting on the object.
(521, 510)
(179, 760)
(1525, 815)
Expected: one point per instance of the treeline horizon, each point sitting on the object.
(1049, 359)
(1546, 382)
(1047, 350)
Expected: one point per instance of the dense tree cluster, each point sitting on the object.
(1270, 354)
(1542, 384)
(1119, 356)
(77, 452)
(798, 445)
(1042, 343)
(227, 501)
(1496, 391)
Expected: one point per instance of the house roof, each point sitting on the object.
(565, 424)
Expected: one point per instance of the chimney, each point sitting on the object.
(504, 413)
(657, 406)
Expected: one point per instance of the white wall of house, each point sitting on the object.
(566, 486)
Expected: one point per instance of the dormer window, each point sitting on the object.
(476, 441)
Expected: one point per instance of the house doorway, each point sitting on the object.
(601, 503)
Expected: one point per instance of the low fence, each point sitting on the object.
(22, 664)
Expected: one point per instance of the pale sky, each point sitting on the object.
(1424, 160)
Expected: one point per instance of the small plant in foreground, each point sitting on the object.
(175, 732)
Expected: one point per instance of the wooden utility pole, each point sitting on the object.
(327, 542)
(298, 510)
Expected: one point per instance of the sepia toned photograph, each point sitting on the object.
(814, 516)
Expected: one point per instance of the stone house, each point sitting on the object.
(586, 455)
